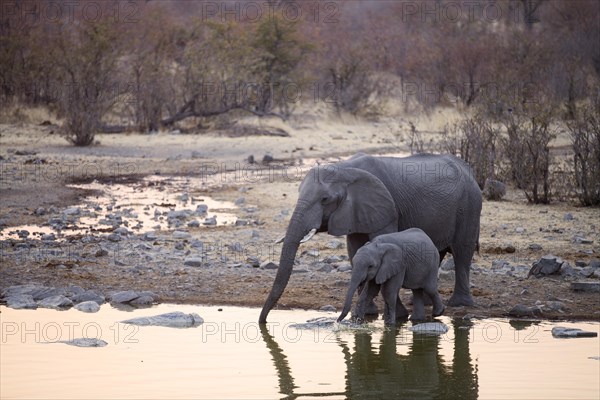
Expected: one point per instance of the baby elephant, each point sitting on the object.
(407, 259)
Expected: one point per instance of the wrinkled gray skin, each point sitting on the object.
(406, 259)
(367, 196)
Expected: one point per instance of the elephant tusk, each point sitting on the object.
(308, 236)
(280, 240)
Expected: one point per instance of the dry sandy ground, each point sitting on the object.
(39, 180)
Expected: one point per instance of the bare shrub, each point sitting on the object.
(475, 140)
(526, 145)
(584, 131)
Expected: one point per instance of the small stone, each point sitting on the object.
(89, 295)
(88, 307)
(499, 264)
(580, 263)
(521, 310)
(181, 235)
(267, 159)
(568, 217)
(55, 302)
(210, 221)
(554, 306)
(334, 244)
(144, 300)
(241, 222)
(268, 265)
(328, 308)
(194, 262)
(101, 253)
(40, 211)
(240, 201)
(582, 240)
(344, 267)
(519, 229)
(587, 272)
(547, 265)
(193, 224)
(21, 302)
(122, 231)
(324, 268)
(48, 237)
(587, 286)
(124, 297)
(535, 247)
(563, 332)
(201, 209)
(524, 292)
(196, 155)
(595, 263)
(434, 328)
(179, 246)
(114, 237)
(86, 342)
(72, 211)
(175, 319)
(150, 236)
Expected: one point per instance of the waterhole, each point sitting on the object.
(231, 356)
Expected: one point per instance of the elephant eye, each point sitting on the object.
(324, 199)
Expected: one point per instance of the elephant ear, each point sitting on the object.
(367, 207)
(391, 262)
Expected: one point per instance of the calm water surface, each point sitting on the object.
(230, 356)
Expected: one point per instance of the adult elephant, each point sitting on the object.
(367, 196)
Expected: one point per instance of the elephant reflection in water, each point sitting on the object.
(384, 374)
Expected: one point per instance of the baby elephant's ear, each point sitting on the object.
(391, 262)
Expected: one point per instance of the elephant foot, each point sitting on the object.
(417, 317)
(438, 313)
(459, 300)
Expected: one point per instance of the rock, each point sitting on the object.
(328, 308)
(586, 286)
(21, 302)
(253, 261)
(241, 222)
(520, 229)
(499, 264)
(563, 332)
(114, 237)
(521, 310)
(494, 190)
(587, 272)
(580, 263)
(447, 276)
(595, 263)
(335, 244)
(554, 306)
(268, 265)
(196, 155)
(581, 240)
(448, 264)
(333, 259)
(547, 265)
(194, 262)
(48, 237)
(86, 342)
(144, 300)
(124, 297)
(568, 217)
(87, 307)
(181, 235)
(150, 236)
(250, 159)
(40, 211)
(72, 211)
(432, 328)
(324, 268)
(344, 267)
(568, 270)
(212, 221)
(535, 247)
(179, 246)
(240, 201)
(311, 253)
(101, 253)
(267, 159)
(201, 209)
(56, 302)
(88, 295)
(175, 319)
(122, 231)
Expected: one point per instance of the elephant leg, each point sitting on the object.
(390, 296)
(401, 311)
(438, 306)
(463, 253)
(418, 313)
(366, 305)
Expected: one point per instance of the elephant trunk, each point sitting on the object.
(286, 263)
(354, 283)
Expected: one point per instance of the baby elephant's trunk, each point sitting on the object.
(351, 289)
